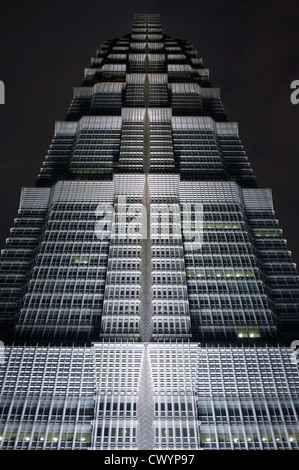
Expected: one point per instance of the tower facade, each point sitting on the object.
(148, 299)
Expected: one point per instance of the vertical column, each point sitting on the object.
(145, 405)
(146, 293)
(171, 315)
(121, 302)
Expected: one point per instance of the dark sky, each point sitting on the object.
(251, 48)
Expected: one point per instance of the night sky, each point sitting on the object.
(251, 48)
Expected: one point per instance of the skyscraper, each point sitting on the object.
(148, 299)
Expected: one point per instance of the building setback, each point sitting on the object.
(148, 298)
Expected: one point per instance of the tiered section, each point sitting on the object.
(195, 258)
(72, 398)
